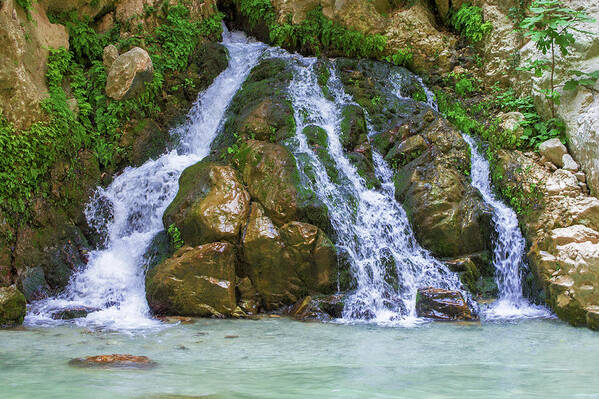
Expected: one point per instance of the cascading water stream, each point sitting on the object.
(113, 280)
(372, 229)
(508, 254)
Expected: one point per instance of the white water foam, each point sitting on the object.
(510, 246)
(113, 280)
(371, 226)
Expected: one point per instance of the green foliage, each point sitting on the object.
(175, 39)
(315, 34)
(25, 4)
(175, 238)
(403, 57)
(585, 79)
(550, 26)
(27, 157)
(469, 21)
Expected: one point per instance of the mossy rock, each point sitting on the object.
(260, 110)
(353, 127)
(211, 204)
(371, 85)
(270, 172)
(196, 281)
(316, 136)
(13, 306)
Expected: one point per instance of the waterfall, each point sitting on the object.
(509, 250)
(113, 280)
(372, 228)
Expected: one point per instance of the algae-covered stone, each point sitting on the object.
(196, 281)
(271, 175)
(261, 109)
(12, 306)
(211, 204)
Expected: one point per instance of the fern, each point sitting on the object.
(468, 20)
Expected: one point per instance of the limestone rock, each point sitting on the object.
(129, 73)
(443, 305)
(196, 281)
(568, 163)
(563, 229)
(23, 60)
(554, 151)
(211, 204)
(12, 306)
(511, 121)
(111, 53)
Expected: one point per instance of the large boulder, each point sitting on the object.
(129, 73)
(288, 262)
(271, 176)
(432, 182)
(12, 306)
(196, 281)
(442, 305)
(554, 151)
(211, 204)
(562, 226)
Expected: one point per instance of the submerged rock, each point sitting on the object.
(73, 312)
(114, 360)
(196, 281)
(443, 305)
(12, 306)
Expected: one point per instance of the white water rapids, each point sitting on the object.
(372, 229)
(509, 251)
(113, 279)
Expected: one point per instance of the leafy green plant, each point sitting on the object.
(315, 34)
(402, 57)
(174, 235)
(550, 26)
(469, 21)
(585, 79)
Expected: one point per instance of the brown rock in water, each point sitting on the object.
(287, 262)
(196, 281)
(211, 204)
(129, 73)
(114, 360)
(443, 305)
(448, 215)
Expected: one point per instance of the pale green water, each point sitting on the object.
(279, 358)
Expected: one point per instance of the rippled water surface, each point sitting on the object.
(280, 358)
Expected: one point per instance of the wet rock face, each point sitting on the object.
(12, 306)
(284, 263)
(432, 182)
(195, 281)
(211, 204)
(114, 361)
(129, 73)
(563, 230)
(442, 305)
